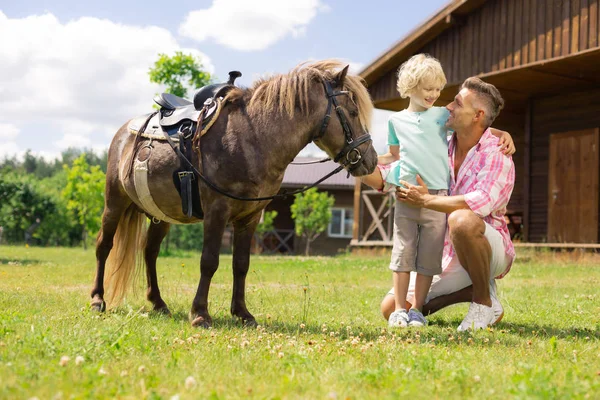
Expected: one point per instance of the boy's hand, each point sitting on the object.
(506, 143)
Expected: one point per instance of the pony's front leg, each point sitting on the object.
(242, 240)
(214, 226)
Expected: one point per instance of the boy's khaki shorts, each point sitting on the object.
(419, 236)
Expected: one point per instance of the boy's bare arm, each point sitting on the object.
(392, 155)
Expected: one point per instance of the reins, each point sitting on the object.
(351, 147)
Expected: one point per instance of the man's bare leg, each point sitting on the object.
(467, 233)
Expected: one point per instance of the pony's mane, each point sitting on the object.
(286, 91)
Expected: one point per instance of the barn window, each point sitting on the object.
(341, 223)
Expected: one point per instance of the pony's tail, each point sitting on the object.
(127, 255)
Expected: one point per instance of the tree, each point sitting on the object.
(265, 225)
(84, 194)
(178, 71)
(311, 212)
(23, 207)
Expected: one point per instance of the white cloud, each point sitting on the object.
(8, 131)
(82, 78)
(250, 25)
(8, 150)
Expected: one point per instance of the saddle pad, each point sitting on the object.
(154, 130)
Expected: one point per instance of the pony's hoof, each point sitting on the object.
(250, 323)
(201, 322)
(98, 305)
(163, 310)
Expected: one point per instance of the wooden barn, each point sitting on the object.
(339, 232)
(544, 57)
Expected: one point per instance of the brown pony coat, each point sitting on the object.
(259, 132)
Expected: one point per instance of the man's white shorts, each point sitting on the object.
(454, 277)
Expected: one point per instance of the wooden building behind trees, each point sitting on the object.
(544, 57)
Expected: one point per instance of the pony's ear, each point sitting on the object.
(341, 76)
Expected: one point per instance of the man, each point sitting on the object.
(478, 247)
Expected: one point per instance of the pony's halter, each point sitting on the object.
(350, 154)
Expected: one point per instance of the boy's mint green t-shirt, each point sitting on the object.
(422, 137)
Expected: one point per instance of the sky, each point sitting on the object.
(72, 72)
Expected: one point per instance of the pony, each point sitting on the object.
(259, 132)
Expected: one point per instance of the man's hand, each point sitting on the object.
(412, 195)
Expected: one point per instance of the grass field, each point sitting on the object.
(321, 334)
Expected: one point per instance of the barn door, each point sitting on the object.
(573, 187)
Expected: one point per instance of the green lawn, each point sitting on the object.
(321, 334)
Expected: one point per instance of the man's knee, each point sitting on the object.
(387, 306)
(465, 224)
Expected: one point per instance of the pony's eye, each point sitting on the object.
(353, 114)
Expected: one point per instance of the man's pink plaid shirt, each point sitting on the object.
(486, 179)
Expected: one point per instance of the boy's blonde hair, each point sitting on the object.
(418, 69)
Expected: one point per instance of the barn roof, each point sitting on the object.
(302, 175)
(420, 36)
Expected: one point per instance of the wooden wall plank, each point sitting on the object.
(598, 23)
(456, 54)
(583, 25)
(501, 44)
(495, 43)
(510, 33)
(477, 58)
(466, 64)
(518, 40)
(526, 33)
(549, 29)
(489, 38)
(574, 26)
(541, 30)
(557, 34)
(593, 32)
(533, 30)
(566, 25)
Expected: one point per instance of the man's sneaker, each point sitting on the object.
(398, 319)
(496, 306)
(479, 317)
(416, 318)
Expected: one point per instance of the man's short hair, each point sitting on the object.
(490, 97)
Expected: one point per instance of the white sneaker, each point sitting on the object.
(496, 306)
(398, 319)
(416, 318)
(479, 317)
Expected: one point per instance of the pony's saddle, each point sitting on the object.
(178, 115)
(177, 121)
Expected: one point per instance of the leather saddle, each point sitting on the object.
(177, 119)
(177, 114)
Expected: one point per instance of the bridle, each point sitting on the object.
(348, 155)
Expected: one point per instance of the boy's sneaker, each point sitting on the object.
(496, 306)
(398, 319)
(479, 317)
(416, 318)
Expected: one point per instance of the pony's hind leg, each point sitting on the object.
(155, 236)
(104, 243)
(242, 240)
(214, 226)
